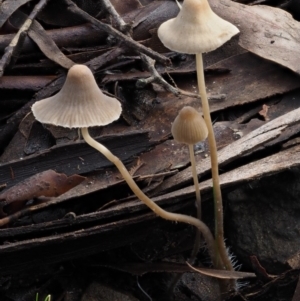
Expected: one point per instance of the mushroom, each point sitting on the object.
(81, 104)
(197, 29)
(189, 127)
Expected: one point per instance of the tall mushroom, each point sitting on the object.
(197, 29)
(81, 104)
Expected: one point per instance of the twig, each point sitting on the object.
(14, 48)
(120, 23)
(155, 77)
(129, 42)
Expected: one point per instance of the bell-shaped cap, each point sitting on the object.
(189, 126)
(196, 29)
(80, 103)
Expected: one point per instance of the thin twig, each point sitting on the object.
(155, 77)
(14, 48)
(120, 23)
(129, 42)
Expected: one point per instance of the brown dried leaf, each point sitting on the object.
(222, 274)
(39, 35)
(8, 7)
(47, 183)
(266, 31)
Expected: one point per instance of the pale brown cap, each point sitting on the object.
(196, 29)
(189, 126)
(80, 103)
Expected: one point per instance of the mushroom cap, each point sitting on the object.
(189, 126)
(196, 29)
(80, 103)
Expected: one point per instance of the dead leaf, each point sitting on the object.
(39, 35)
(8, 7)
(47, 183)
(222, 274)
(269, 32)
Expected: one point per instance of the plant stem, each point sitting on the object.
(147, 201)
(219, 229)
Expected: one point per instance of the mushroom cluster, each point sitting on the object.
(195, 30)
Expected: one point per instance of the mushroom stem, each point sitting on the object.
(195, 178)
(198, 203)
(147, 201)
(219, 229)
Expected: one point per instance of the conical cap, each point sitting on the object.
(189, 126)
(80, 103)
(196, 29)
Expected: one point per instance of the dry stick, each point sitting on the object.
(15, 45)
(150, 63)
(121, 25)
(112, 31)
(147, 201)
(219, 229)
(156, 77)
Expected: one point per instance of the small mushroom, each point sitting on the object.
(197, 29)
(189, 127)
(81, 104)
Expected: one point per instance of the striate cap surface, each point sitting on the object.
(189, 126)
(196, 29)
(80, 103)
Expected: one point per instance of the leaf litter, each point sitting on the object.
(256, 79)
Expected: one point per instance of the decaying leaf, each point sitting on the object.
(8, 7)
(222, 274)
(47, 183)
(269, 32)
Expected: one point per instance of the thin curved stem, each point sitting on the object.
(219, 228)
(147, 201)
